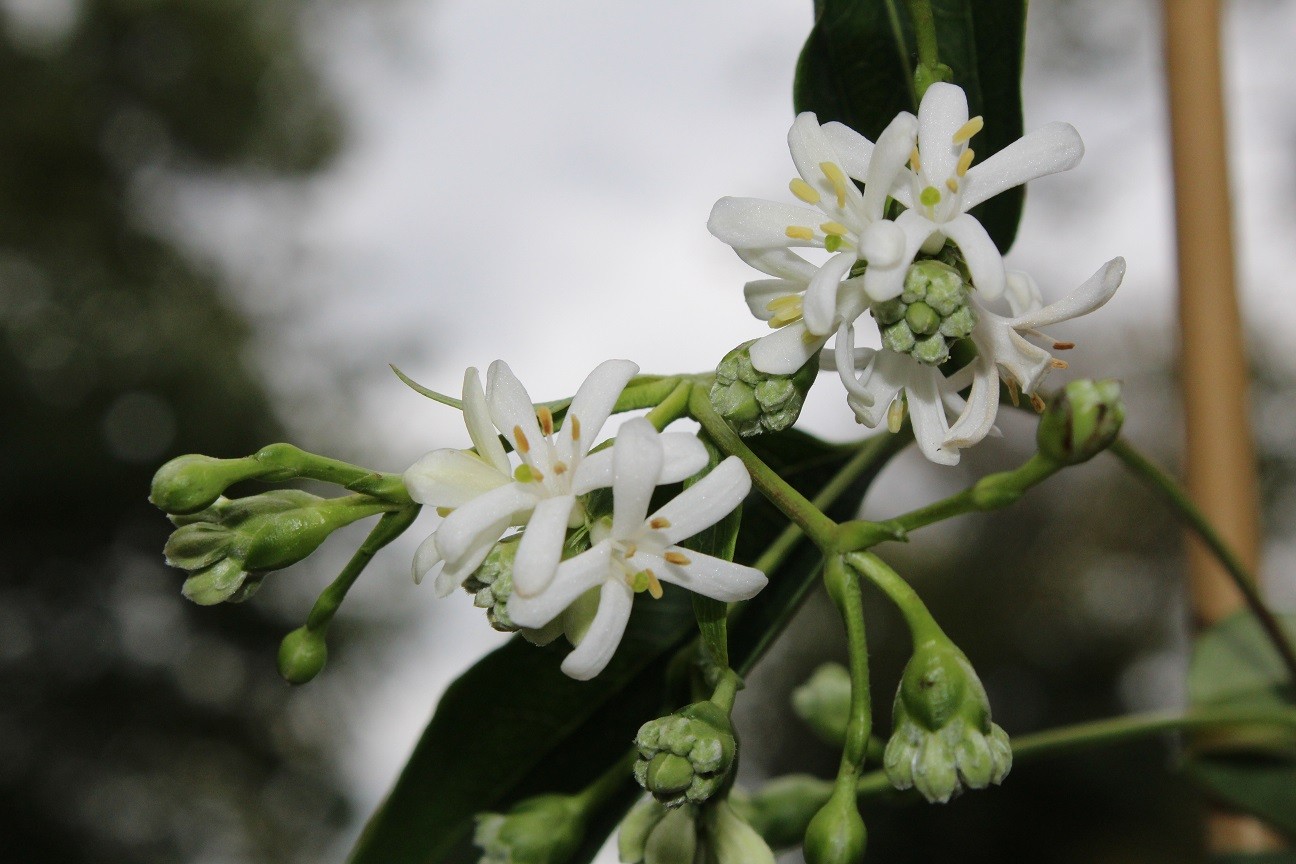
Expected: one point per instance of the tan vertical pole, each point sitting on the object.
(1221, 465)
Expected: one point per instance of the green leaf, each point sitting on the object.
(857, 67)
(1252, 768)
(514, 726)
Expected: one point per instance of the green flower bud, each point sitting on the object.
(547, 829)
(217, 583)
(273, 541)
(198, 545)
(686, 756)
(730, 840)
(836, 834)
(932, 311)
(491, 584)
(823, 702)
(755, 402)
(1081, 420)
(190, 483)
(302, 655)
(783, 808)
(672, 838)
(943, 738)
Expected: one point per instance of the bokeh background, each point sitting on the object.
(221, 219)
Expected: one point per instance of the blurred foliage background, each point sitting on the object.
(135, 727)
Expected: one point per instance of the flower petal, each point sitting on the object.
(637, 463)
(511, 408)
(883, 283)
(604, 634)
(1022, 293)
(780, 263)
(710, 576)
(820, 303)
(706, 502)
(942, 113)
(476, 413)
(984, 262)
(882, 380)
(760, 292)
(893, 148)
(752, 223)
(1049, 149)
(427, 557)
(451, 478)
(1096, 291)
(1023, 362)
(486, 516)
(978, 416)
(592, 405)
(573, 578)
(928, 415)
(810, 148)
(683, 455)
(785, 350)
(854, 151)
(541, 546)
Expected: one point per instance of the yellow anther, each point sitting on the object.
(787, 301)
(574, 422)
(1037, 403)
(804, 191)
(1014, 392)
(968, 129)
(523, 445)
(1059, 364)
(659, 523)
(444, 511)
(915, 160)
(1063, 346)
(545, 416)
(560, 467)
(951, 184)
(784, 318)
(800, 232)
(631, 549)
(833, 228)
(896, 415)
(965, 161)
(654, 586)
(837, 178)
(676, 558)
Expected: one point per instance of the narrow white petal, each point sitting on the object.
(978, 416)
(882, 244)
(780, 263)
(573, 578)
(712, 577)
(1096, 291)
(928, 416)
(541, 546)
(593, 403)
(683, 455)
(785, 350)
(477, 418)
(1023, 362)
(426, 557)
(942, 113)
(451, 478)
(854, 151)
(706, 502)
(844, 361)
(511, 408)
(637, 463)
(883, 283)
(893, 148)
(820, 303)
(604, 635)
(484, 516)
(982, 256)
(1047, 150)
(753, 223)
(760, 292)
(1022, 293)
(878, 386)
(594, 472)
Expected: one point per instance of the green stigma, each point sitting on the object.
(833, 242)
(930, 196)
(522, 474)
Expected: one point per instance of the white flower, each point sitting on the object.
(807, 301)
(941, 186)
(633, 551)
(486, 494)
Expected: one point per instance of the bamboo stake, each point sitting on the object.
(1220, 459)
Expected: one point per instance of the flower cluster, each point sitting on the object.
(522, 533)
(906, 249)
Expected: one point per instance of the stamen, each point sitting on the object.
(523, 445)
(444, 511)
(1063, 346)
(799, 232)
(833, 228)
(915, 160)
(560, 467)
(654, 586)
(1014, 392)
(785, 302)
(783, 319)
(952, 184)
(545, 416)
(837, 178)
(631, 549)
(676, 558)
(965, 161)
(659, 523)
(804, 191)
(1037, 403)
(1059, 364)
(896, 415)
(968, 129)
(575, 427)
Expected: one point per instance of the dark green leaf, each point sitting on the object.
(1264, 787)
(857, 67)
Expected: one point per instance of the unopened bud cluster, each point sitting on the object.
(716, 834)
(755, 402)
(686, 756)
(491, 584)
(931, 313)
(547, 829)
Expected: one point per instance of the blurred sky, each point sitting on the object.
(531, 182)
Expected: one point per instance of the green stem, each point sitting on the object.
(389, 527)
(286, 462)
(922, 625)
(671, 407)
(929, 66)
(645, 391)
(781, 494)
(844, 589)
(726, 690)
(1187, 513)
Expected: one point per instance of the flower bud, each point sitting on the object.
(1081, 421)
(226, 580)
(730, 840)
(943, 738)
(654, 835)
(686, 756)
(302, 655)
(930, 314)
(547, 829)
(755, 402)
(836, 834)
(193, 482)
(491, 584)
(783, 808)
(823, 702)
